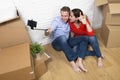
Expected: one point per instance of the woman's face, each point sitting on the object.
(72, 17)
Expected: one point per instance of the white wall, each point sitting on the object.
(7, 10)
(43, 11)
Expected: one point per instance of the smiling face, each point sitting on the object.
(72, 17)
(64, 16)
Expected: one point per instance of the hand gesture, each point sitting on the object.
(82, 18)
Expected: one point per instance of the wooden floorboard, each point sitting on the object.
(60, 69)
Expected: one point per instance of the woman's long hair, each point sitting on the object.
(76, 13)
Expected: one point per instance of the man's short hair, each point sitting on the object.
(65, 8)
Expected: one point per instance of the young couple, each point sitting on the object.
(75, 24)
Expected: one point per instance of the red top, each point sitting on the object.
(82, 30)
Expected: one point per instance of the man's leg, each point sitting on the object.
(79, 45)
(61, 43)
(82, 49)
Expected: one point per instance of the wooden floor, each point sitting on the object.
(60, 69)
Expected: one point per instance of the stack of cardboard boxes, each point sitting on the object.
(16, 63)
(111, 22)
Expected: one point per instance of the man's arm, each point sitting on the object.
(48, 31)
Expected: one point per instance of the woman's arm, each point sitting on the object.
(72, 34)
(85, 21)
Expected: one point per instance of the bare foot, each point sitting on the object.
(80, 65)
(103, 57)
(74, 67)
(100, 63)
(90, 48)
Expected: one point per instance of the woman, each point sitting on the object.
(80, 26)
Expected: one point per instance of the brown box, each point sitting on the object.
(12, 33)
(110, 36)
(16, 62)
(114, 8)
(101, 2)
(114, 1)
(40, 65)
(110, 19)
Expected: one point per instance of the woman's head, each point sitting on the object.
(75, 13)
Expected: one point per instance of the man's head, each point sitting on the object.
(65, 13)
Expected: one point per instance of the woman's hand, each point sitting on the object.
(82, 18)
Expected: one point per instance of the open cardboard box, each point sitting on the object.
(16, 62)
(111, 14)
(111, 11)
(103, 2)
(109, 34)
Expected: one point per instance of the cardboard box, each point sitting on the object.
(114, 8)
(40, 65)
(114, 1)
(100, 2)
(110, 19)
(103, 2)
(110, 36)
(12, 33)
(15, 58)
(16, 62)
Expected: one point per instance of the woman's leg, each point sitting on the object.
(94, 43)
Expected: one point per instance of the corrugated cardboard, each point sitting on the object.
(114, 8)
(12, 33)
(112, 19)
(15, 63)
(15, 59)
(100, 2)
(114, 1)
(110, 36)
(103, 2)
(40, 65)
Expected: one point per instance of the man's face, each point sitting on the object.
(64, 16)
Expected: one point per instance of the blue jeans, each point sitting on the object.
(82, 48)
(62, 44)
(95, 45)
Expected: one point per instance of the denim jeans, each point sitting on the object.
(95, 45)
(62, 43)
(82, 48)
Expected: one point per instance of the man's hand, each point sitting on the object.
(48, 31)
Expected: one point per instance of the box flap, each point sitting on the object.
(13, 32)
(43, 58)
(100, 2)
(15, 58)
(113, 27)
(114, 8)
(114, 1)
(111, 19)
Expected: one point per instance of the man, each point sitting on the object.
(59, 31)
